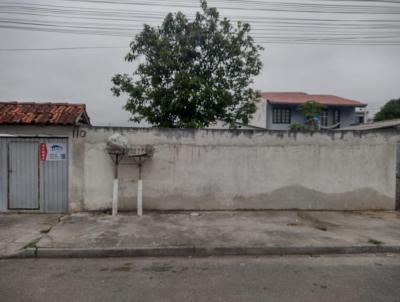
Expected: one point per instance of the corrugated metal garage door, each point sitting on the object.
(29, 183)
(23, 175)
(54, 179)
(397, 206)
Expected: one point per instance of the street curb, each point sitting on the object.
(25, 253)
(201, 251)
(115, 252)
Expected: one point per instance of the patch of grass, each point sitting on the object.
(374, 241)
(31, 244)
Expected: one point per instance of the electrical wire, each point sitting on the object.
(309, 28)
(62, 48)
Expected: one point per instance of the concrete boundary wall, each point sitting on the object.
(241, 169)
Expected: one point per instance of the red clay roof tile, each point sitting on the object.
(297, 98)
(43, 113)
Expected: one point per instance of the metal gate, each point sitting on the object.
(397, 206)
(31, 179)
(398, 192)
(23, 175)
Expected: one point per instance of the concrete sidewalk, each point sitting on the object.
(21, 231)
(221, 233)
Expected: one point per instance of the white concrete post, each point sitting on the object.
(140, 198)
(115, 188)
(115, 198)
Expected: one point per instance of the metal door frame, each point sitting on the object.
(397, 202)
(397, 177)
(8, 177)
(397, 198)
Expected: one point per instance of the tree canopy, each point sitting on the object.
(310, 110)
(390, 111)
(192, 73)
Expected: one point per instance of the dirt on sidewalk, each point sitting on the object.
(209, 230)
(19, 231)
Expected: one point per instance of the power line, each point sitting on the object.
(249, 5)
(266, 29)
(268, 6)
(63, 48)
(123, 30)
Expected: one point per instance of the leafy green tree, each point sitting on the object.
(390, 111)
(192, 73)
(310, 110)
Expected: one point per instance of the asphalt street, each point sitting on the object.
(294, 278)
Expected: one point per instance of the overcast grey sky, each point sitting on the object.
(369, 73)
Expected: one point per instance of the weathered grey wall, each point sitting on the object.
(222, 169)
(259, 118)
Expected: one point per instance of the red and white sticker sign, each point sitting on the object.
(43, 151)
(53, 151)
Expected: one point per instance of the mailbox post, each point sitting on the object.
(140, 154)
(116, 158)
(117, 147)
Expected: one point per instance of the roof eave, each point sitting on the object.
(298, 104)
(83, 116)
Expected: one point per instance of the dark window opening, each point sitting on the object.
(281, 116)
(336, 116)
(324, 118)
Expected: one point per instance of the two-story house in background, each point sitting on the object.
(278, 110)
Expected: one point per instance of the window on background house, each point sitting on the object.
(324, 118)
(281, 116)
(336, 116)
